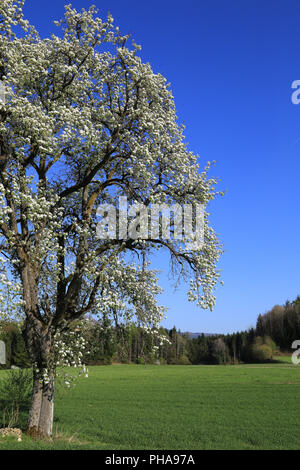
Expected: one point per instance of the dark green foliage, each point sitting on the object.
(129, 343)
(15, 386)
(15, 392)
(281, 324)
(199, 350)
(16, 353)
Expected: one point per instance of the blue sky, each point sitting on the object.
(231, 65)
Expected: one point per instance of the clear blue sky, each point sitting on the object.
(230, 65)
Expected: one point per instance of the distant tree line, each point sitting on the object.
(281, 323)
(106, 343)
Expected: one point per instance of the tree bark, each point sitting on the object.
(39, 342)
(35, 407)
(47, 409)
(40, 421)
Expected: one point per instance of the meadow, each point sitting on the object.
(177, 407)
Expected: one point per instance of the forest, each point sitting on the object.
(108, 343)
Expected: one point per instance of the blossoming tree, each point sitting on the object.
(85, 121)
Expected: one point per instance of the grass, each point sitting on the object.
(178, 407)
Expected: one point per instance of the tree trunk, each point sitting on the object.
(47, 409)
(39, 343)
(35, 407)
(40, 421)
(40, 347)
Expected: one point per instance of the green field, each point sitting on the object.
(178, 407)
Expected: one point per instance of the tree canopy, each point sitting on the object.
(85, 122)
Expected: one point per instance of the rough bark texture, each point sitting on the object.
(39, 345)
(47, 410)
(35, 407)
(40, 421)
